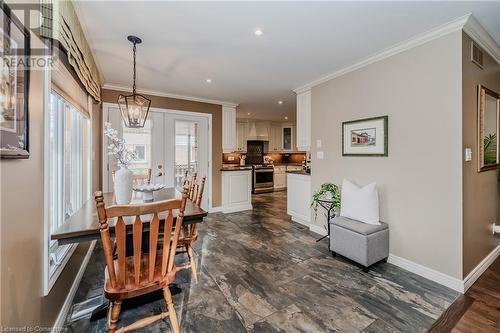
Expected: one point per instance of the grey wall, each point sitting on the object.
(420, 182)
(481, 196)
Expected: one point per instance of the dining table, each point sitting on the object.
(83, 226)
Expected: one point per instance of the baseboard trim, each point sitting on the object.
(479, 269)
(428, 273)
(61, 317)
(235, 209)
(215, 209)
(318, 229)
(300, 221)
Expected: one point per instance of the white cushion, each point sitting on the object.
(360, 203)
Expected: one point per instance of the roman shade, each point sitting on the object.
(67, 87)
(60, 23)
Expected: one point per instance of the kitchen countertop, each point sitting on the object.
(301, 172)
(236, 168)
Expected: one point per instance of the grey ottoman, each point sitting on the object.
(363, 243)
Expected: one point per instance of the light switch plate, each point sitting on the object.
(318, 143)
(320, 155)
(468, 154)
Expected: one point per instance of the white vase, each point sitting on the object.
(123, 186)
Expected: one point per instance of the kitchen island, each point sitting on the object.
(299, 196)
(236, 188)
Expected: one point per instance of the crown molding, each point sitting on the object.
(442, 30)
(478, 33)
(111, 86)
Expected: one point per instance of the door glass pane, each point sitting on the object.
(139, 140)
(186, 149)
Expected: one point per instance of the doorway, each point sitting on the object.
(170, 143)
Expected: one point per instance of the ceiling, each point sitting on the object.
(185, 43)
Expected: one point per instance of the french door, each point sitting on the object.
(170, 143)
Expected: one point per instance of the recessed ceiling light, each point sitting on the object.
(286, 118)
(258, 32)
(248, 113)
(280, 102)
(208, 80)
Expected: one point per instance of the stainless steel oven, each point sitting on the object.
(263, 178)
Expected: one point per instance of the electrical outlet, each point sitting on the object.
(320, 155)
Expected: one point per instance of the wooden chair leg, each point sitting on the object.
(113, 315)
(192, 262)
(171, 310)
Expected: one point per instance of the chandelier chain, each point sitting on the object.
(133, 87)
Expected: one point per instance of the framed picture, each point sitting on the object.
(14, 86)
(488, 127)
(365, 137)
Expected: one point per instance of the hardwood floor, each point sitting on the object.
(260, 272)
(478, 310)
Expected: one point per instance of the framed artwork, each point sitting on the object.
(365, 137)
(488, 127)
(14, 86)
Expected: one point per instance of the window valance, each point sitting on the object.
(61, 24)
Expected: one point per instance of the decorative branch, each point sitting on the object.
(117, 147)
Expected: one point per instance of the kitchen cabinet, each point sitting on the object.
(236, 190)
(241, 136)
(275, 142)
(304, 120)
(229, 142)
(280, 177)
(288, 138)
(299, 198)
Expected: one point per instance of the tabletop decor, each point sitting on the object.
(365, 137)
(123, 177)
(14, 85)
(328, 197)
(148, 189)
(488, 121)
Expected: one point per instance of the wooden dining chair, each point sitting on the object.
(192, 185)
(190, 232)
(141, 273)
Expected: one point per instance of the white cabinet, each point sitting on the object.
(275, 142)
(299, 198)
(236, 191)
(280, 177)
(241, 136)
(288, 138)
(229, 141)
(304, 120)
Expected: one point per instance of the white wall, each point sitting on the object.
(420, 182)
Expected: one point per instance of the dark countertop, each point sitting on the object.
(236, 168)
(290, 164)
(301, 172)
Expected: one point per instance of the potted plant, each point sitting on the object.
(123, 177)
(329, 192)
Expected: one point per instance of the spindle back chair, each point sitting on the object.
(141, 273)
(190, 232)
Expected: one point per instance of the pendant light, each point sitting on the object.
(134, 108)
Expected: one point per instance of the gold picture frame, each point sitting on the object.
(488, 129)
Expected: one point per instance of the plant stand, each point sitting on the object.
(330, 214)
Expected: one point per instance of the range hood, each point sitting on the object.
(258, 130)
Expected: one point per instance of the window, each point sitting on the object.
(140, 153)
(68, 173)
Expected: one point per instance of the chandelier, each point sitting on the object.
(134, 108)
